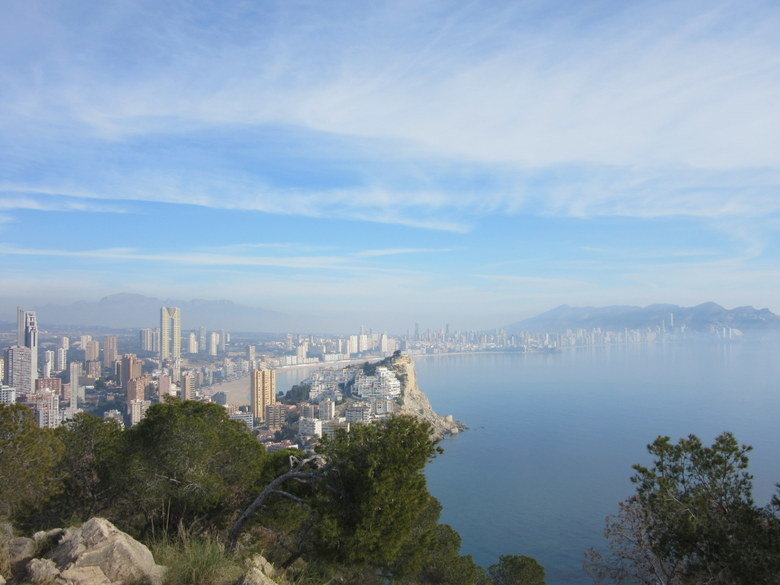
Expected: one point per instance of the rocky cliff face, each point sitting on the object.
(415, 402)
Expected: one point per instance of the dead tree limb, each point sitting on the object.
(306, 470)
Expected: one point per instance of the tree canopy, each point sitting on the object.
(692, 520)
(28, 456)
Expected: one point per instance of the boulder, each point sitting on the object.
(2, 581)
(20, 551)
(255, 576)
(84, 576)
(42, 571)
(99, 544)
(259, 562)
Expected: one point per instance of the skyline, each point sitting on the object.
(430, 162)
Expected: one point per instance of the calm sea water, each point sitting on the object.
(552, 437)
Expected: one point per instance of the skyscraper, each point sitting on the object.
(147, 339)
(27, 336)
(130, 368)
(18, 369)
(109, 351)
(48, 363)
(263, 392)
(60, 359)
(91, 350)
(77, 395)
(170, 333)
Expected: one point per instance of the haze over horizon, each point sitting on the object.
(474, 164)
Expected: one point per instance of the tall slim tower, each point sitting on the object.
(109, 351)
(170, 333)
(27, 336)
(263, 392)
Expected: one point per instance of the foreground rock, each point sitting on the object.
(259, 572)
(97, 553)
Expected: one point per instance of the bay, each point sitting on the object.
(552, 437)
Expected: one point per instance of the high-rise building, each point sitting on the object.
(146, 338)
(250, 354)
(170, 333)
(76, 389)
(275, 415)
(27, 336)
(18, 371)
(163, 387)
(137, 410)
(262, 392)
(192, 345)
(94, 369)
(46, 405)
(109, 350)
(53, 384)
(65, 343)
(130, 368)
(327, 410)
(48, 363)
(223, 339)
(213, 343)
(60, 359)
(188, 386)
(7, 394)
(91, 351)
(202, 339)
(136, 388)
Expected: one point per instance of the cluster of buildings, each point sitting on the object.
(444, 340)
(67, 374)
(51, 381)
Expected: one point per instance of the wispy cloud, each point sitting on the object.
(576, 125)
(395, 251)
(200, 259)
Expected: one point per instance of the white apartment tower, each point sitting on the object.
(170, 333)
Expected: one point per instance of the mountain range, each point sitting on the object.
(616, 318)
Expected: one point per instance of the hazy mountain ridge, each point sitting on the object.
(618, 317)
(125, 310)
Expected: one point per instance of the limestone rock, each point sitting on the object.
(42, 571)
(260, 562)
(98, 543)
(255, 576)
(2, 581)
(84, 576)
(415, 402)
(20, 551)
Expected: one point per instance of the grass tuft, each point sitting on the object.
(197, 561)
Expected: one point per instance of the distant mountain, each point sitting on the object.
(126, 311)
(616, 318)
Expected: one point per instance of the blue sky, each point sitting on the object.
(386, 163)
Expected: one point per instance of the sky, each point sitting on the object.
(392, 162)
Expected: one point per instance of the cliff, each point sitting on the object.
(415, 402)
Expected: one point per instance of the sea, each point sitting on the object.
(552, 436)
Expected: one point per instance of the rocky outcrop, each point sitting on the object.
(415, 402)
(96, 553)
(259, 572)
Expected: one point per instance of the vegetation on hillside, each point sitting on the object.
(181, 478)
(196, 485)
